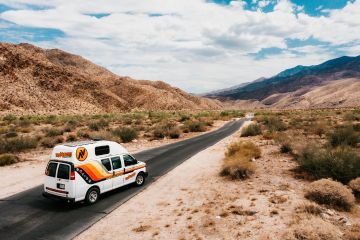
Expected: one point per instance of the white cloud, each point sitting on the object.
(195, 45)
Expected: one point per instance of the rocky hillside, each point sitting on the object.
(36, 80)
(324, 85)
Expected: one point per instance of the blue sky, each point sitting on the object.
(197, 45)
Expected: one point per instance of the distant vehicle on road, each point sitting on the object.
(249, 115)
(83, 170)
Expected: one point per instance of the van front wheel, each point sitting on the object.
(92, 195)
(140, 179)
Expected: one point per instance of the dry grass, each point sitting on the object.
(331, 193)
(353, 233)
(309, 208)
(8, 159)
(142, 228)
(238, 161)
(313, 228)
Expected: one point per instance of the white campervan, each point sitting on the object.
(84, 170)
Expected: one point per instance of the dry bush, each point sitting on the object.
(355, 186)
(344, 136)
(126, 134)
(353, 233)
(238, 161)
(167, 129)
(253, 129)
(341, 164)
(51, 142)
(98, 125)
(309, 208)
(194, 126)
(17, 144)
(53, 132)
(313, 228)
(8, 159)
(332, 193)
(142, 228)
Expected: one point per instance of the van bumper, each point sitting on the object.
(55, 197)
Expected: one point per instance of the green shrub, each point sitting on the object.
(125, 134)
(71, 138)
(332, 193)
(53, 132)
(168, 129)
(274, 124)
(195, 126)
(286, 148)
(97, 125)
(341, 164)
(17, 144)
(174, 133)
(8, 159)
(9, 118)
(251, 130)
(344, 136)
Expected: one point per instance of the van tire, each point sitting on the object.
(92, 195)
(140, 179)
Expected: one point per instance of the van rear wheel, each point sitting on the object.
(92, 196)
(140, 179)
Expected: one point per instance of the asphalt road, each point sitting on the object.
(27, 215)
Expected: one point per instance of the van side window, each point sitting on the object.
(106, 163)
(129, 160)
(51, 169)
(116, 162)
(102, 150)
(63, 171)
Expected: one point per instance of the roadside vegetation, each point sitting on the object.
(23, 133)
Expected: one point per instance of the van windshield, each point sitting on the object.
(51, 169)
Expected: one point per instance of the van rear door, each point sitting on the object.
(58, 179)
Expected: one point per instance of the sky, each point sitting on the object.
(196, 45)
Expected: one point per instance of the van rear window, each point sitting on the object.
(51, 169)
(102, 150)
(63, 171)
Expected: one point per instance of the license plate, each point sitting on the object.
(61, 186)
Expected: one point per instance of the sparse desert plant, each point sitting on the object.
(174, 133)
(355, 186)
(83, 134)
(313, 228)
(274, 124)
(309, 208)
(286, 148)
(71, 138)
(341, 164)
(195, 126)
(98, 125)
(344, 136)
(17, 144)
(253, 129)
(238, 160)
(9, 118)
(126, 134)
(53, 132)
(10, 134)
(331, 193)
(8, 159)
(166, 129)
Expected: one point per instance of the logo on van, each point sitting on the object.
(81, 153)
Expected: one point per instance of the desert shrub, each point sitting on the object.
(82, 134)
(355, 186)
(309, 208)
(341, 164)
(274, 124)
(195, 126)
(248, 149)
(50, 142)
(98, 125)
(319, 129)
(253, 129)
(174, 133)
(9, 118)
(313, 228)
(344, 136)
(53, 132)
(184, 118)
(17, 144)
(238, 160)
(71, 138)
(8, 159)
(126, 134)
(352, 116)
(286, 148)
(332, 193)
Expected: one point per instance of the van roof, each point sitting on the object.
(91, 150)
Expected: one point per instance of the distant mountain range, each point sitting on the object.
(296, 87)
(35, 80)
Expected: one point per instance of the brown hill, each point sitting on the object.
(36, 80)
(330, 94)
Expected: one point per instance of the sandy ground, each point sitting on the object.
(32, 168)
(194, 202)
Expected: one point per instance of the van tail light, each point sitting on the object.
(72, 175)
